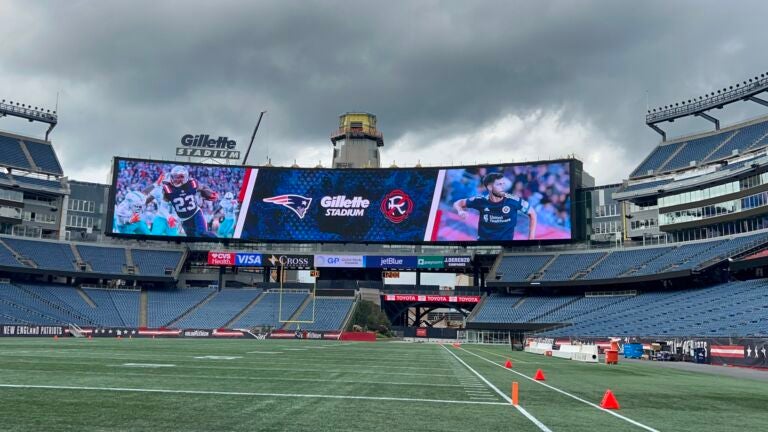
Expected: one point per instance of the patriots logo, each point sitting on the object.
(297, 203)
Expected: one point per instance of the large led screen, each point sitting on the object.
(487, 204)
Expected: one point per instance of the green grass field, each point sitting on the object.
(246, 385)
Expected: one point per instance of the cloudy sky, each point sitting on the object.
(452, 82)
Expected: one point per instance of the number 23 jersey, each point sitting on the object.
(183, 198)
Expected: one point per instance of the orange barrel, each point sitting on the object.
(611, 357)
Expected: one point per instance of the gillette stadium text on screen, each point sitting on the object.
(492, 204)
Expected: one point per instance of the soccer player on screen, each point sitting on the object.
(498, 211)
(181, 191)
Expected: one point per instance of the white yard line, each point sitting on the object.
(225, 393)
(522, 410)
(613, 413)
(190, 364)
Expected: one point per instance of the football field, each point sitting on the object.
(274, 385)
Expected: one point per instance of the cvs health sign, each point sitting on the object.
(231, 259)
(221, 258)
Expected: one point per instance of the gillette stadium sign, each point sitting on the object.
(203, 146)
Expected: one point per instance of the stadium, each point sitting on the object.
(202, 292)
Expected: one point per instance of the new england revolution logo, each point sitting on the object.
(296, 203)
(397, 206)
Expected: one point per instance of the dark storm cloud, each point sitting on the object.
(134, 76)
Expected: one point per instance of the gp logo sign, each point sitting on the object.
(221, 258)
(349, 261)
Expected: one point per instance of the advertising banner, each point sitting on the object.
(347, 261)
(457, 261)
(32, 330)
(221, 258)
(750, 352)
(492, 204)
(289, 261)
(430, 262)
(390, 261)
(431, 298)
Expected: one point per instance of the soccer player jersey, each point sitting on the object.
(498, 219)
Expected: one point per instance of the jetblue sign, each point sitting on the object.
(391, 261)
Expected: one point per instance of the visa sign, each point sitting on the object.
(221, 258)
(248, 259)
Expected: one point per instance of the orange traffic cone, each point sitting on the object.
(508, 364)
(55, 338)
(609, 401)
(539, 375)
(90, 337)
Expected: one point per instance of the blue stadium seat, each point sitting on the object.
(164, 306)
(733, 308)
(269, 311)
(122, 305)
(7, 258)
(565, 266)
(11, 153)
(330, 313)
(155, 262)
(222, 308)
(44, 157)
(745, 138)
(47, 255)
(653, 162)
(519, 268)
(695, 150)
(103, 259)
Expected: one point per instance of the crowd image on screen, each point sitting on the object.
(134, 177)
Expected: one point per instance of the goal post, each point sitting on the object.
(284, 317)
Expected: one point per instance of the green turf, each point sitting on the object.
(289, 390)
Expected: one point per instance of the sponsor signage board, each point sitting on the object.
(221, 258)
(457, 261)
(430, 262)
(391, 261)
(346, 261)
(288, 261)
(204, 146)
(431, 298)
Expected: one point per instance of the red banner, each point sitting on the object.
(421, 332)
(221, 258)
(431, 298)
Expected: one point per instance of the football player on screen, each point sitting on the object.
(181, 192)
(164, 222)
(498, 210)
(229, 207)
(129, 214)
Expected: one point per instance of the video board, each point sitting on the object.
(489, 204)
